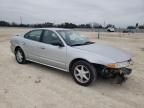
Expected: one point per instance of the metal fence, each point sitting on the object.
(105, 30)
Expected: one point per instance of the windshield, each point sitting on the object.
(73, 38)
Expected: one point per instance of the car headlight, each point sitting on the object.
(118, 65)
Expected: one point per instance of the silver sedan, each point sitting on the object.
(69, 51)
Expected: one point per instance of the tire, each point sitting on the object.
(20, 56)
(83, 73)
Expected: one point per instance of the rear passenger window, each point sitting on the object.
(34, 35)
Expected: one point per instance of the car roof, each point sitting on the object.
(53, 29)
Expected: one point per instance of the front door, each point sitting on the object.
(51, 53)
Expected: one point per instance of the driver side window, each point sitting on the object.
(50, 37)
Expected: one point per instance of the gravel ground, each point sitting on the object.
(36, 86)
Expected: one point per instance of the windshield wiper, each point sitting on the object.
(86, 43)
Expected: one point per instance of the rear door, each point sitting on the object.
(31, 45)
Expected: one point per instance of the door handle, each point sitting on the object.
(42, 48)
(23, 43)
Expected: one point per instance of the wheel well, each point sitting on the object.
(97, 66)
(74, 61)
(17, 48)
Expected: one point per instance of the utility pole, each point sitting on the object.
(98, 34)
(104, 24)
(20, 20)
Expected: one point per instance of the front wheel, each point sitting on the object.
(83, 73)
(20, 56)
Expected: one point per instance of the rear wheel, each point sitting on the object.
(83, 73)
(20, 56)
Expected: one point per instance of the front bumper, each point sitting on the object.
(118, 71)
(121, 71)
(125, 71)
(119, 74)
(122, 75)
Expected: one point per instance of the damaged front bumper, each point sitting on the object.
(119, 74)
(125, 71)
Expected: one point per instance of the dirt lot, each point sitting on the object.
(36, 86)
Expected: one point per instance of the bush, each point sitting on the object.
(4, 23)
(141, 27)
(131, 27)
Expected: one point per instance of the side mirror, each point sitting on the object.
(60, 44)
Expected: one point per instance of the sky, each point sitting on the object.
(118, 12)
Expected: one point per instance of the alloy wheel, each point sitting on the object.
(19, 56)
(82, 74)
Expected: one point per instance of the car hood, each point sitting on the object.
(112, 53)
